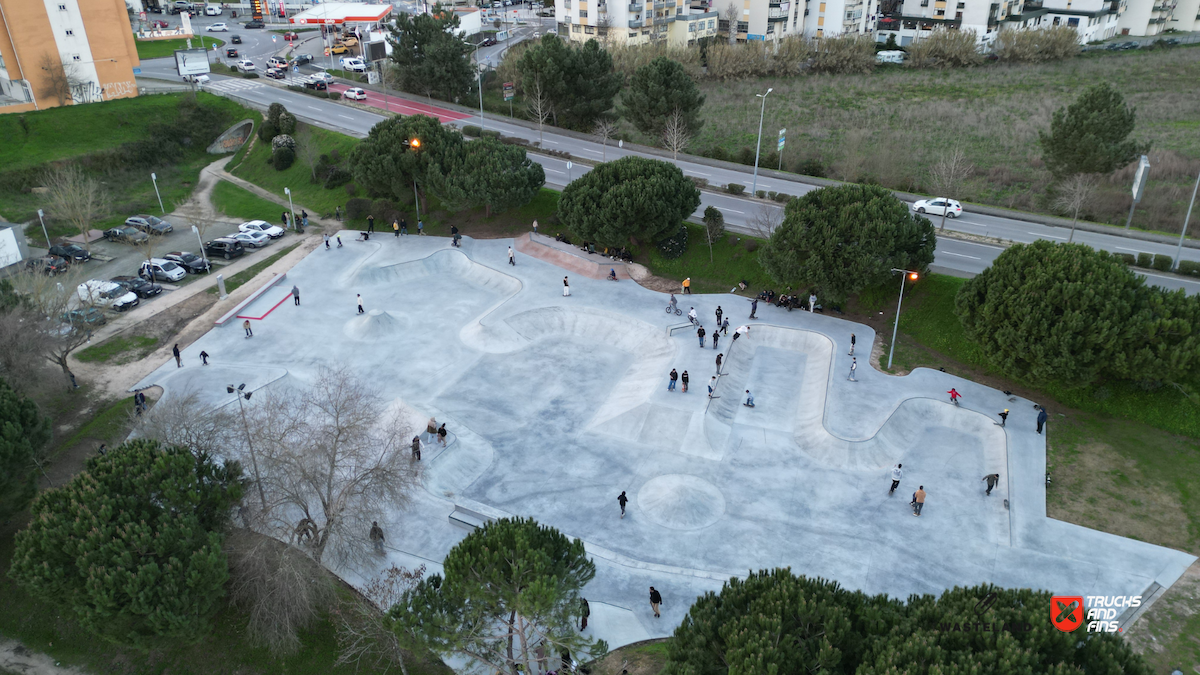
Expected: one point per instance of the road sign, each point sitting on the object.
(782, 135)
(1139, 178)
(569, 165)
(509, 91)
(295, 69)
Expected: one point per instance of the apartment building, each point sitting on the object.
(633, 21)
(1092, 19)
(913, 19)
(63, 52)
(1148, 17)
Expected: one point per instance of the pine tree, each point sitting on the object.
(491, 174)
(656, 91)
(1091, 135)
(632, 198)
(23, 433)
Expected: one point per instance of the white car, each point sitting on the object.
(96, 293)
(212, 10)
(353, 64)
(159, 269)
(355, 93)
(245, 65)
(321, 77)
(252, 239)
(937, 207)
(272, 231)
(276, 62)
(218, 28)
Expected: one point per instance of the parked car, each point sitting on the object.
(272, 231)
(150, 224)
(1166, 42)
(254, 23)
(353, 64)
(322, 76)
(355, 93)
(235, 39)
(200, 80)
(251, 239)
(138, 286)
(126, 235)
(275, 73)
(224, 247)
(212, 10)
(84, 316)
(1131, 45)
(97, 293)
(339, 48)
(488, 42)
(158, 269)
(291, 35)
(276, 62)
(938, 206)
(245, 65)
(71, 252)
(189, 261)
(316, 84)
(159, 24)
(349, 40)
(231, 53)
(155, 9)
(48, 265)
(302, 59)
(217, 28)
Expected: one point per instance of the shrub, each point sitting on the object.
(1145, 260)
(1050, 44)
(675, 245)
(700, 183)
(385, 212)
(844, 55)
(337, 177)
(283, 141)
(781, 197)
(282, 158)
(1129, 258)
(751, 245)
(945, 48)
(735, 189)
(357, 208)
(490, 133)
(719, 153)
(746, 156)
(472, 131)
(761, 194)
(250, 76)
(513, 140)
(333, 95)
(1189, 267)
(286, 123)
(267, 130)
(351, 189)
(1162, 262)
(811, 167)
(772, 195)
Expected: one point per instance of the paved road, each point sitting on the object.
(742, 215)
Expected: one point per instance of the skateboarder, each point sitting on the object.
(1003, 417)
(326, 242)
(684, 379)
(360, 309)
(416, 448)
(716, 335)
(566, 288)
(712, 384)
(851, 345)
(671, 384)
(204, 357)
(246, 325)
(700, 334)
(719, 313)
(511, 260)
(1041, 419)
(991, 479)
(749, 399)
(442, 434)
(897, 474)
(692, 315)
(753, 308)
(725, 326)
(622, 500)
(376, 537)
(719, 357)
(178, 359)
(853, 367)
(918, 501)
(296, 295)
(742, 330)
(655, 601)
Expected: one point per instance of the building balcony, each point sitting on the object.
(776, 18)
(635, 6)
(636, 23)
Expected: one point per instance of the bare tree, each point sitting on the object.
(947, 176)
(192, 217)
(605, 128)
(364, 632)
(21, 348)
(308, 151)
(538, 104)
(282, 589)
(76, 197)
(50, 299)
(675, 134)
(183, 419)
(1073, 194)
(764, 221)
(329, 463)
(147, 246)
(60, 79)
(732, 13)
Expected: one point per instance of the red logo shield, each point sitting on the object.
(1066, 612)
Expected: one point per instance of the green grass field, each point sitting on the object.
(234, 282)
(156, 49)
(238, 202)
(305, 194)
(119, 347)
(734, 258)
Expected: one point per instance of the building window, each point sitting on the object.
(76, 57)
(958, 16)
(962, 5)
(576, 28)
(1057, 20)
(633, 33)
(924, 3)
(743, 26)
(589, 30)
(1073, 22)
(583, 13)
(62, 8)
(70, 33)
(691, 28)
(710, 24)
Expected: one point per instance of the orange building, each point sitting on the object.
(64, 52)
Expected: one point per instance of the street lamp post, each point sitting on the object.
(1178, 250)
(481, 68)
(203, 255)
(240, 392)
(41, 218)
(154, 178)
(291, 207)
(908, 274)
(758, 147)
(414, 144)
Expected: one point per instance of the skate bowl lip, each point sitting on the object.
(568, 257)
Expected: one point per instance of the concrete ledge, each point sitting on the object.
(569, 257)
(253, 296)
(472, 520)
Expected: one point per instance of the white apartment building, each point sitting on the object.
(1186, 17)
(633, 21)
(1092, 19)
(1147, 17)
(917, 18)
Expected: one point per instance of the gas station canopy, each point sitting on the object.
(338, 13)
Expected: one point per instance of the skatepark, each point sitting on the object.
(556, 404)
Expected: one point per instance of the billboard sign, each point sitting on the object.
(376, 50)
(1139, 178)
(510, 91)
(191, 61)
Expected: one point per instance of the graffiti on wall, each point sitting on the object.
(91, 92)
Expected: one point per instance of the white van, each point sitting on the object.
(212, 10)
(353, 64)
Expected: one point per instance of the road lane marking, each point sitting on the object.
(346, 117)
(735, 211)
(961, 255)
(1052, 236)
(546, 168)
(1122, 248)
(700, 173)
(553, 142)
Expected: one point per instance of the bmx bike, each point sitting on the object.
(671, 309)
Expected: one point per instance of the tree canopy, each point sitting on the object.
(656, 91)
(776, 623)
(579, 83)
(508, 586)
(1067, 313)
(385, 164)
(23, 433)
(431, 58)
(491, 174)
(1091, 135)
(630, 198)
(131, 547)
(840, 240)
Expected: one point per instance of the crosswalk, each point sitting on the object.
(231, 85)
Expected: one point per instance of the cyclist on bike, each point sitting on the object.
(954, 395)
(612, 274)
(692, 315)
(674, 303)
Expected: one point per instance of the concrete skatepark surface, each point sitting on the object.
(557, 404)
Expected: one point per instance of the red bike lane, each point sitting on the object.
(403, 106)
